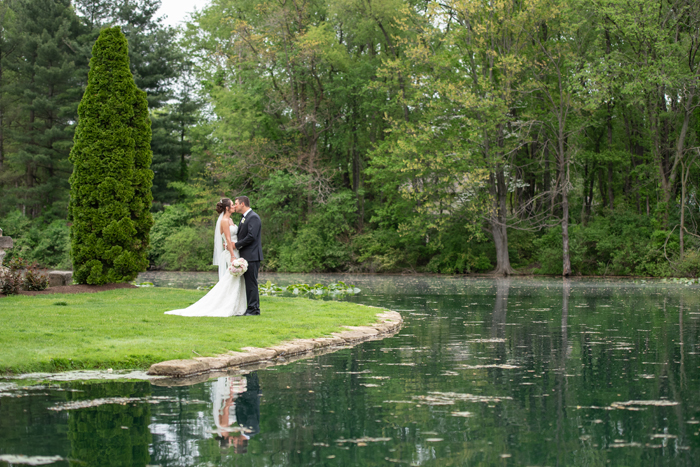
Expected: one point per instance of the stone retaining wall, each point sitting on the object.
(389, 322)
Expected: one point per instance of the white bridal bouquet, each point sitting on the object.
(238, 267)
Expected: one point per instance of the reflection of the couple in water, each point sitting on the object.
(236, 401)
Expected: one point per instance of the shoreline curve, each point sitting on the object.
(388, 323)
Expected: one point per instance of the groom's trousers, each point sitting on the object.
(251, 288)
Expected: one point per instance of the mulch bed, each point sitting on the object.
(77, 288)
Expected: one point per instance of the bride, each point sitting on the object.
(228, 297)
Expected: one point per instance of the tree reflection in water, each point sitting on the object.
(492, 371)
(111, 434)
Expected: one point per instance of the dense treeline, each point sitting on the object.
(45, 49)
(551, 136)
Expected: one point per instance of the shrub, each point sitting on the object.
(318, 245)
(111, 180)
(385, 250)
(461, 251)
(623, 244)
(690, 266)
(10, 281)
(52, 247)
(551, 255)
(188, 249)
(166, 224)
(35, 240)
(11, 276)
(35, 279)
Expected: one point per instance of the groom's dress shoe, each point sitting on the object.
(252, 313)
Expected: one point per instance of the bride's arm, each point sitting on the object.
(226, 232)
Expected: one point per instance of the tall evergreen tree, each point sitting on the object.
(112, 179)
(159, 66)
(46, 92)
(8, 46)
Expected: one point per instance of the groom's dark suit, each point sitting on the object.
(250, 247)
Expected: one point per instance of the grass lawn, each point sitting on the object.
(126, 328)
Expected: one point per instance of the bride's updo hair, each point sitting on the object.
(223, 204)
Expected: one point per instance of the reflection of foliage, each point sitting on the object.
(561, 379)
(578, 368)
(112, 434)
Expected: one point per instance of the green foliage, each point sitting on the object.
(188, 249)
(38, 241)
(165, 224)
(458, 254)
(621, 245)
(111, 181)
(41, 82)
(364, 136)
(386, 250)
(318, 244)
(549, 247)
(459, 263)
(690, 264)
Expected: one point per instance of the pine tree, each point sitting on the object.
(41, 103)
(111, 181)
(159, 67)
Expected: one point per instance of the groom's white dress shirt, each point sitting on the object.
(244, 214)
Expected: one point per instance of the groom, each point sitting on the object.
(250, 248)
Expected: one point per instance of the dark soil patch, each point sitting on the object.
(77, 288)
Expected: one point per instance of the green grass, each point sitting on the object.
(126, 328)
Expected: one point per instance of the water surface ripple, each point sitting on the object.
(484, 372)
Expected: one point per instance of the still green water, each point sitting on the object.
(484, 372)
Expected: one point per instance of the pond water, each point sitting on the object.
(484, 372)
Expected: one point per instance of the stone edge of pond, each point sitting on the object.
(388, 323)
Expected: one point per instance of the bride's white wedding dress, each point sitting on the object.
(228, 297)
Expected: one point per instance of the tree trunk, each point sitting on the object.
(586, 209)
(564, 171)
(2, 122)
(682, 215)
(611, 193)
(548, 179)
(656, 150)
(498, 221)
(685, 172)
(669, 186)
(601, 187)
(589, 201)
(566, 269)
(357, 184)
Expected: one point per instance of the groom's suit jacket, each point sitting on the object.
(249, 233)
